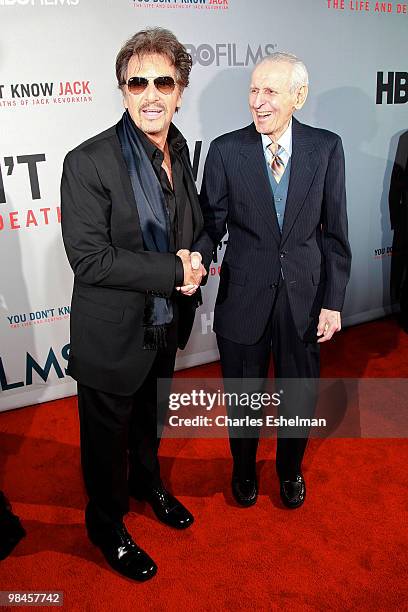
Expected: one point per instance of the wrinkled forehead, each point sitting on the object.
(150, 65)
(268, 74)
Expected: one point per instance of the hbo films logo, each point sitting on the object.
(229, 54)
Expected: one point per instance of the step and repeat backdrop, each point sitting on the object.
(58, 88)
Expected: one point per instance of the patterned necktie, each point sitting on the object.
(277, 163)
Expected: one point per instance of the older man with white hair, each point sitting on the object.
(278, 186)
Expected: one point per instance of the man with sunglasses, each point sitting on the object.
(130, 214)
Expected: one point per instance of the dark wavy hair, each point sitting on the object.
(155, 40)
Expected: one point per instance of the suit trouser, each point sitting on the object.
(404, 300)
(120, 440)
(293, 359)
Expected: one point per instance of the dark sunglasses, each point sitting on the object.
(164, 84)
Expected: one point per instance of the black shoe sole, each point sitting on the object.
(291, 506)
(141, 498)
(168, 524)
(246, 504)
(96, 542)
(178, 527)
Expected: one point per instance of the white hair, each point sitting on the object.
(299, 75)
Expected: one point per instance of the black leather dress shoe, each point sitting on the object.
(244, 490)
(166, 507)
(293, 492)
(11, 531)
(122, 554)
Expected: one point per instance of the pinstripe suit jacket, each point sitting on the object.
(312, 250)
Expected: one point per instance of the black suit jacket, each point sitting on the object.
(312, 251)
(113, 272)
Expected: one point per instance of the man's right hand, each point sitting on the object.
(193, 271)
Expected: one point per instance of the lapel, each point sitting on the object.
(303, 168)
(192, 194)
(252, 167)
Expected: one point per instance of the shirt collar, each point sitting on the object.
(284, 141)
(175, 139)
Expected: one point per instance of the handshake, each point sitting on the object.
(193, 271)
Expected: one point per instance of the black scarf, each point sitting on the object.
(154, 223)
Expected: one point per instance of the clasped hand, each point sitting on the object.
(193, 271)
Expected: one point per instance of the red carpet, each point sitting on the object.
(345, 549)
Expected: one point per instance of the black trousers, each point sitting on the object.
(293, 359)
(120, 440)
